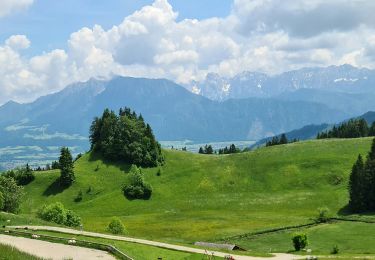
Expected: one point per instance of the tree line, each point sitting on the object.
(362, 183)
(278, 140)
(125, 137)
(208, 149)
(354, 128)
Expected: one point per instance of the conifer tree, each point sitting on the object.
(66, 167)
(356, 192)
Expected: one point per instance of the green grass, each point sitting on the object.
(207, 198)
(350, 237)
(11, 253)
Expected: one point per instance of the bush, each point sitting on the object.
(136, 187)
(11, 193)
(158, 173)
(57, 213)
(22, 176)
(79, 197)
(72, 219)
(53, 213)
(323, 215)
(299, 241)
(335, 250)
(116, 226)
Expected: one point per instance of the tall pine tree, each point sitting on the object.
(66, 167)
(356, 193)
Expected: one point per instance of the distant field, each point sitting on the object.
(207, 198)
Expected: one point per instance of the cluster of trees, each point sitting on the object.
(354, 128)
(362, 183)
(66, 166)
(57, 213)
(207, 149)
(22, 176)
(228, 150)
(278, 140)
(135, 186)
(125, 137)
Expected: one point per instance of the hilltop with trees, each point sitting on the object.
(354, 128)
(125, 137)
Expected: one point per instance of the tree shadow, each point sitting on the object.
(54, 188)
(123, 166)
(344, 211)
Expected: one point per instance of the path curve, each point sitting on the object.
(154, 243)
(53, 251)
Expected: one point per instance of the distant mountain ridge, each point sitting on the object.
(344, 78)
(173, 112)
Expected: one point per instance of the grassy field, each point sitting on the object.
(350, 237)
(10, 253)
(207, 198)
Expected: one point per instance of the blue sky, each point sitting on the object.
(48, 23)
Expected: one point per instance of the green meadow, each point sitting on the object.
(210, 198)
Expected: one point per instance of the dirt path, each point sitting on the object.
(154, 243)
(53, 251)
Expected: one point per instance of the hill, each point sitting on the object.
(200, 197)
(311, 131)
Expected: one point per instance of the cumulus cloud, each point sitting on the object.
(259, 35)
(9, 6)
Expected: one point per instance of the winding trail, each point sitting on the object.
(48, 250)
(157, 244)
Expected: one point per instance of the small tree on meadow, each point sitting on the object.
(66, 167)
(116, 226)
(299, 241)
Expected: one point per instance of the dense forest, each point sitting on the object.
(354, 128)
(125, 137)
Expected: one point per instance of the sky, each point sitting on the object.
(48, 44)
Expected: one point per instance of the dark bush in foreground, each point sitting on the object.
(136, 187)
(57, 213)
(116, 226)
(299, 241)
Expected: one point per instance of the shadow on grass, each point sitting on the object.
(344, 211)
(54, 188)
(123, 166)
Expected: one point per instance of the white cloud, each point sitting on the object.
(9, 6)
(259, 35)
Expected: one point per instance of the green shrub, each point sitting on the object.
(72, 219)
(136, 187)
(335, 250)
(57, 213)
(299, 241)
(79, 197)
(323, 215)
(116, 226)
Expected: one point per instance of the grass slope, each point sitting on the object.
(200, 197)
(11, 253)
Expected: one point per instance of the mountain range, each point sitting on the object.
(250, 106)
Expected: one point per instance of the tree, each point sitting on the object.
(299, 241)
(356, 192)
(283, 139)
(12, 194)
(66, 167)
(136, 187)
